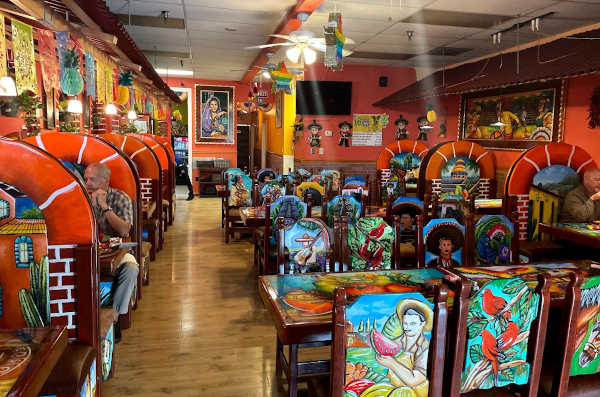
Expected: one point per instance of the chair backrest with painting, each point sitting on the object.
(273, 190)
(494, 236)
(314, 188)
(290, 208)
(240, 190)
(504, 333)
(443, 242)
(376, 334)
(331, 181)
(308, 243)
(407, 208)
(371, 244)
(265, 175)
(343, 205)
(302, 175)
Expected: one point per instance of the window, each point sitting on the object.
(4, 209)
(23, 251)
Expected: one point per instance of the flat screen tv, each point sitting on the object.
(324, 97)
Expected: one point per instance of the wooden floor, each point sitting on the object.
(200, 329)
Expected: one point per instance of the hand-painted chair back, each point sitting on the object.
(265, 174)
(273, 190)
(343, 205)
(331, 180)
(357, 186)
(500, 330)
(494, 236)
(232, 171)
(450, 207)
(288, 178)
(314, 188)
(240, 190)
(302, 175)
(290, 208)
(586, 353)
(308, 243)
(393, 188)
(443, 243)
(407, 208)
(371, 244)
(389, 344)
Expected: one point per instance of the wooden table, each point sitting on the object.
(578, 233)
(374, 211)
(488, 206)
(301, 307)
(253, 216)
(28, 357)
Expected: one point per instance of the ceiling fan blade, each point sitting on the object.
(317, 46)
(267, 46)
(346, 53)
(281, 36)
(349, 41)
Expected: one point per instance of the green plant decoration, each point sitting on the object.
(71, 81)
(28, 104)
(35, 302)
(594, 109)
(127, 128)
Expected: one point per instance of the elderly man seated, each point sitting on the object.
(114, 216)
(582, 204)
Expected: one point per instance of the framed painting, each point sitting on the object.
(215, 114)
(279, 109)
(513, 118)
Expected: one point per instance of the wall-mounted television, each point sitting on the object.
(324, 97)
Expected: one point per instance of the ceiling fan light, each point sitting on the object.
(74, 106)
(310, 55)
(266, 75)
(293, 54)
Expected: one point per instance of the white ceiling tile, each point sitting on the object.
(505, 7)
(197, 27)
(146, 8)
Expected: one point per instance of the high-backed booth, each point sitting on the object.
(72, 272)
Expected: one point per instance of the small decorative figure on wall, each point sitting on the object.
(345, 133)
(594, 110)
(298, 128)
(314, 139)
(401, 132)
(443, 130)
(424, 128)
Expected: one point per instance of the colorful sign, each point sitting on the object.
(368, 128)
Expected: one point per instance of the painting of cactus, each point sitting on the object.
(35, 302)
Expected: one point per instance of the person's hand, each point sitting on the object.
(221, 127)
(99, 199)
(595, 196)
(386, 361)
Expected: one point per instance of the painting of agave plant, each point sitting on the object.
(35, 301)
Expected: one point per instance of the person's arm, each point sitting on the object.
(118, 224)
(411, 378)
(579, 208)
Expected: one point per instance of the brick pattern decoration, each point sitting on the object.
(347, 168)
(146, 189)
(63, 310)
(386, 173)
(483, 189)
(523, 214)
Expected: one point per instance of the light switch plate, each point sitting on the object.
(322, 150)
(328, 133)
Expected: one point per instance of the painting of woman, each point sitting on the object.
(214, 120)
(215, 114)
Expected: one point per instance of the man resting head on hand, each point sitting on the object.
(582, 204)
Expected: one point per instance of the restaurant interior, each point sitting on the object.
(348, 198)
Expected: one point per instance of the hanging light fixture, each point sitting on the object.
(266, 75)
(110, 109)
(293, 54)
(132, 115)
(75, 106)
(7, 86)
(310, 56)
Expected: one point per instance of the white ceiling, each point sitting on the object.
(375, 25)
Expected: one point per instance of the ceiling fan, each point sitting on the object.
(263, 72)
(303, 44)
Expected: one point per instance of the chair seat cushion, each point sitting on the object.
(70, 371)
(319, 386)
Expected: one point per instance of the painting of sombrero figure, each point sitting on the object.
(387, 345)
(308, 244)
(370, 241)
(493, 236)
(444, 240)
(214, 114)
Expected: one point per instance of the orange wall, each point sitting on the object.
(208, 150)
(365, 91)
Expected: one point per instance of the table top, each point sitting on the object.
(579, 233)
(27, 357)
(373, 211)
(488, 203)
(252, 216)
(308, 298)
(528, 272)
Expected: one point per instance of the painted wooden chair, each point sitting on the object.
(390, 344)
(535, 186)
(70, 249)
(576, 370)
(443, 243)
(406, 209)
(224, 197)
(308, 245)
(342, 205)
(357, 186)
(391, 186)
(265, 175)
(369, 244)
(239, 194)
(291, 209)
(399, 158)
(331, 180)
(498, 338)
(311, 192)
(496, 241)
(301, 175)
(272, 190)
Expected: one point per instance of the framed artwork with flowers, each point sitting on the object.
(513, 118)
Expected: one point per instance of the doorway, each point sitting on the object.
(243, 146)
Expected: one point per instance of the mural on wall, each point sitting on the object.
(387, 345)
(498, 323)
(401, 132)
(493, 236)
(344, 205)
(460, 176)
(371, 241)
(179, 124)
(314, 138)
(240, 188)
(519, 118)
(215, 114)
(345, 133)
(25, 300)
(444, 240)
(308, 244)
(548, 187)
(586, 358)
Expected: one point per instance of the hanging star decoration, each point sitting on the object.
(282, 79)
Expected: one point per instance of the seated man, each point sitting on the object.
(114, 216)
(582, 204)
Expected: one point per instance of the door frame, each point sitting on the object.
(250, 143)
(190, 125)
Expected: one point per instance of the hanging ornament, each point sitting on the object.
(24, 57)
(125, 82)
(334, 42)
(282, 79)
(431, 116)
(90, 78)
(50, 68)
(71, 81)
